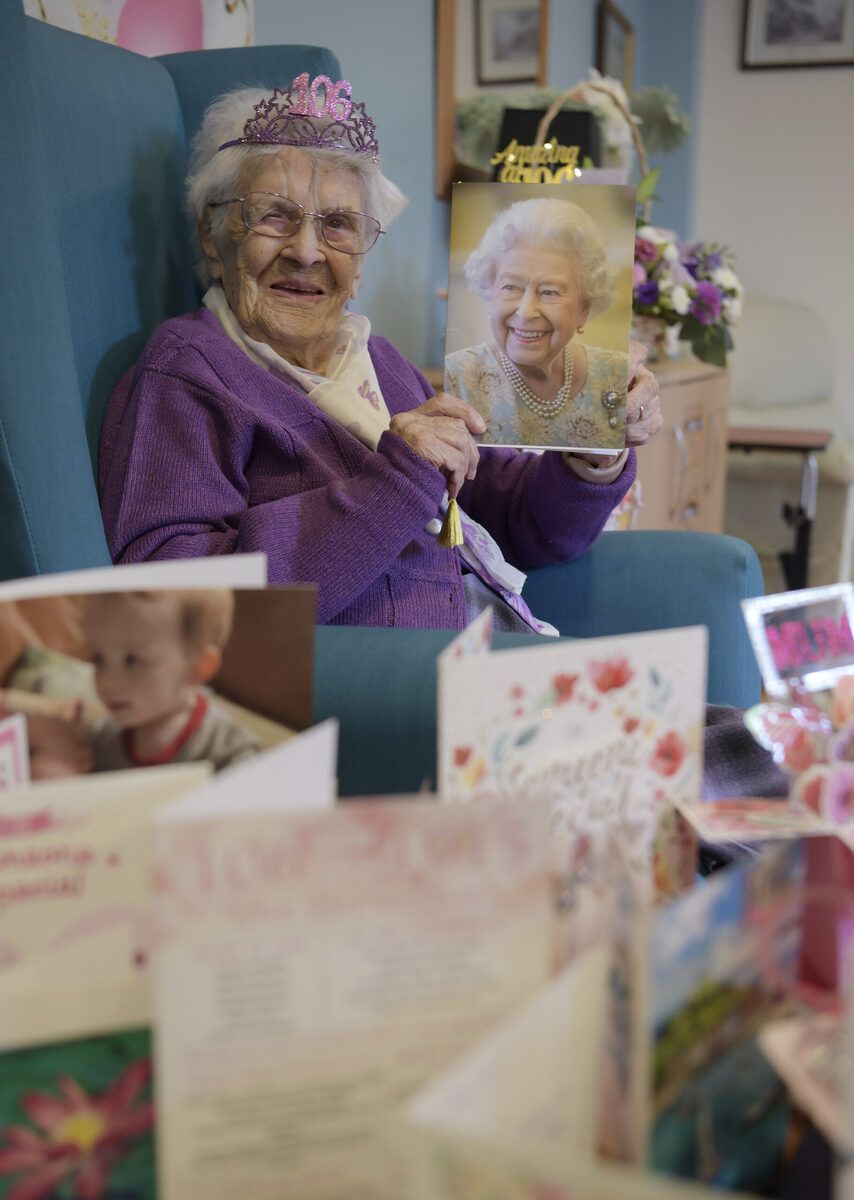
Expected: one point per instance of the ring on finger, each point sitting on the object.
(640, 413)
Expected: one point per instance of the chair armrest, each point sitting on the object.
(660, 579)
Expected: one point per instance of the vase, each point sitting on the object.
(652, 333)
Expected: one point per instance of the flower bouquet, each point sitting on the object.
(812, 739)
(687, 284)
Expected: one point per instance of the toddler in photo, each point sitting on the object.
(152, 653)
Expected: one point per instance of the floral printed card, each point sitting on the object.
(317, 968)
(14, 753)
(609, 730)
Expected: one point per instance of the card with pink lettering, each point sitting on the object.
(14, 752)
(75, 990)
(609, 731)
(802, 638)
(317, 968)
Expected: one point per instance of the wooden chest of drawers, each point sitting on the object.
(683, 470)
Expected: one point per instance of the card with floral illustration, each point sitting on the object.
(14, 752)
(317, 967)
(77, 1119)
(609, 731)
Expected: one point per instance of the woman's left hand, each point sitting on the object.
(643, 408)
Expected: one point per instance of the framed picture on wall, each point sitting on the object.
(797, 33)
(511, 40)
(615, 44)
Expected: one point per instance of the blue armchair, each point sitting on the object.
(97, 254)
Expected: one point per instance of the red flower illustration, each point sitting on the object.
(76, 1135)
(611, 674)
(669, 754)
(564, 686)
(461, 755)
(630, 724)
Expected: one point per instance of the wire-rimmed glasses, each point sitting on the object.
(277, 216)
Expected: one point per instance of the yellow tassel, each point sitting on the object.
(451, 533)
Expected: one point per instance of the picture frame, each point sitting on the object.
(802, 638)
(813, 33)
(511, 38)
(615, 44)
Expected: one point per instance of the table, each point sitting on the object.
(807, 443)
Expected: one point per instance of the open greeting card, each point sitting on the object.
(514, 1118)
(608, 731)
(654, 1034)
(317, 967)
(539, 311)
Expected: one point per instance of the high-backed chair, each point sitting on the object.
(782, 375)
(96, 254)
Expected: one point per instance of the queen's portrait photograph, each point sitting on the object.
(539, 311)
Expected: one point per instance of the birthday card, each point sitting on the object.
(317, 967)
(539, 311)
(608, 731)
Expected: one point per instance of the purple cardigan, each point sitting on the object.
(204, 452)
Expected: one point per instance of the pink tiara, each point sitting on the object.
(300, 117)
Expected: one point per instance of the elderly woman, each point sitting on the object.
(542, 269)
(271, 420)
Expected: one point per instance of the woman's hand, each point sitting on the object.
(643, 409)
(440, 431)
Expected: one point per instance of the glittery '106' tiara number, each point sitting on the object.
(290, 121)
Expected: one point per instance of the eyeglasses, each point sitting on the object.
(276, 216)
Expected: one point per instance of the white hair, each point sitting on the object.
(559, 223)
(215, 174)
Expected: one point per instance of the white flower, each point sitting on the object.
(725, 278)
(731, 308)
(665, 281)
(680, 300)
(660, 237)
(670, 252)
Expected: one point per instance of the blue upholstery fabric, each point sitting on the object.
(381, 683)
(96, 255)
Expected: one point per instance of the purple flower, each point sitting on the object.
(706, 305)
(645, 251)
(691, 264)
(638, 274)
(648, 292)
(713, 261)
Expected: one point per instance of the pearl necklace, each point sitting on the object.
(542, 408)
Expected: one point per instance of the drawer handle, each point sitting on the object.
(690, 511)
(716, 447)
(694, 425)
(683, 466)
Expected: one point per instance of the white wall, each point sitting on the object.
(775, 178)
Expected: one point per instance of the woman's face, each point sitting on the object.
(536, 304)
(289, 293)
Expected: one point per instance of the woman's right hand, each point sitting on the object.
(440, 430)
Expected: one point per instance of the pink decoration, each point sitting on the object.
(161, 26)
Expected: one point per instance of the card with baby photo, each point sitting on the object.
(539, 312)
(119, 678)
(609, 730)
